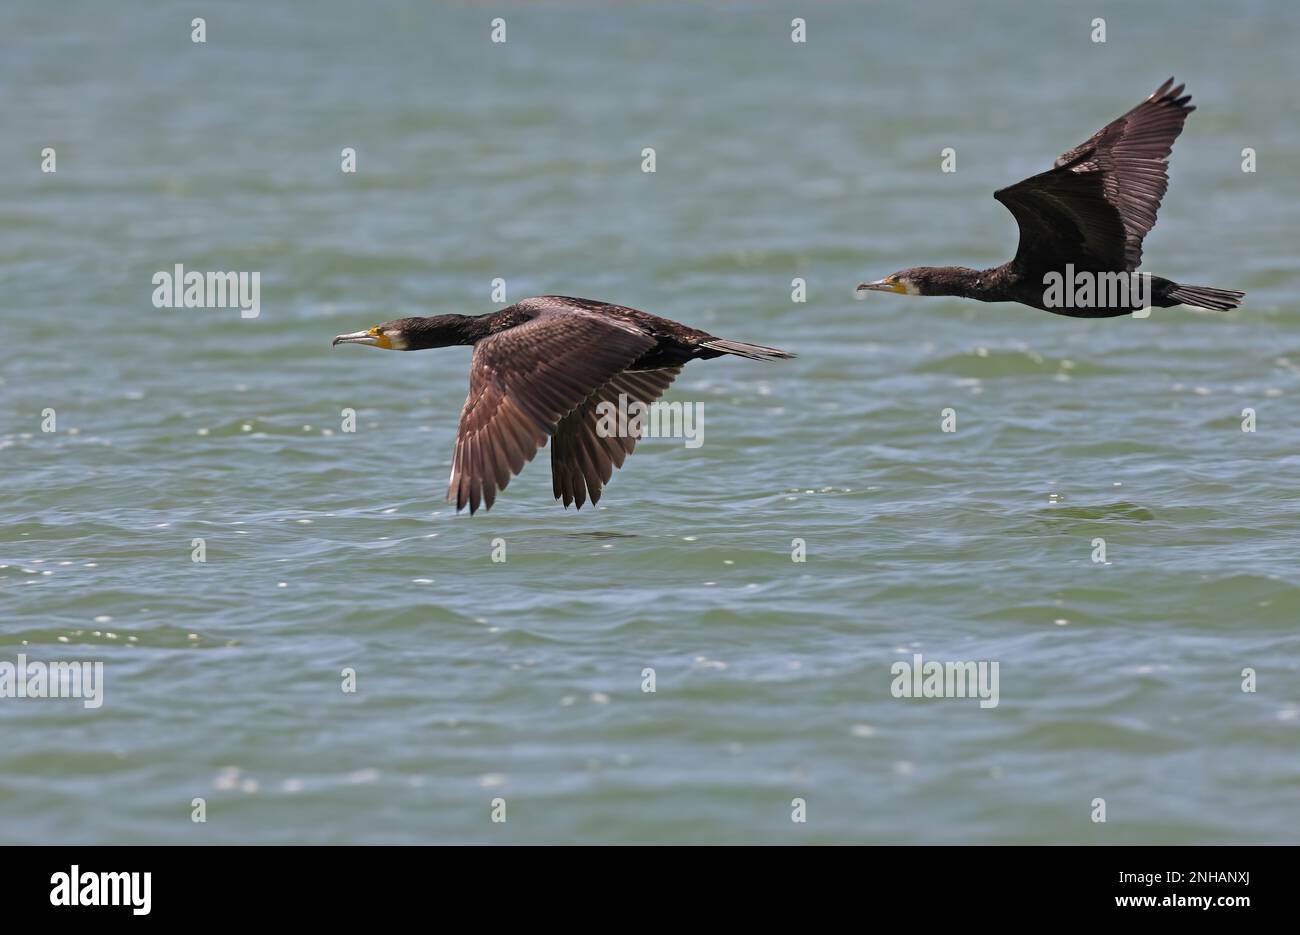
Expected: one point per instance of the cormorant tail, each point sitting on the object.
(752, 351)
(1219, 300)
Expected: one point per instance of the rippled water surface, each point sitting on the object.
(477, 680)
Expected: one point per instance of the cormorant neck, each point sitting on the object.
(961, 281)
(445, 331)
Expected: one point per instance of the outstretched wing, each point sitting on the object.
(1100, 199)
(522, 382)
(582, 459)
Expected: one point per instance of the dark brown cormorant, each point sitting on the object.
(1081, 227)
(539, 370)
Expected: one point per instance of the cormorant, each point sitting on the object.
(1081, 227)
(539, 370)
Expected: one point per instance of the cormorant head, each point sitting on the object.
(912, 281)
(933, 280)
(409, 334)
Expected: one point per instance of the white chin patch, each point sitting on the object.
(910, 287)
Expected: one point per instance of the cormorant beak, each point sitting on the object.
(888, 284)
(371, 338)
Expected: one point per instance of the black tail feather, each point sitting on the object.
(1218, 300)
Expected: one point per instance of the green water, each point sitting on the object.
(477, 680)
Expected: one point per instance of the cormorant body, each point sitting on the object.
(539, 371)
(1082, 223)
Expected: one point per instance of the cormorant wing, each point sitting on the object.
(522, 382)
(1100, 199)
(582, 460)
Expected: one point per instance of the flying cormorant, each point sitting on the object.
(1081, 227)
(539, 370)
